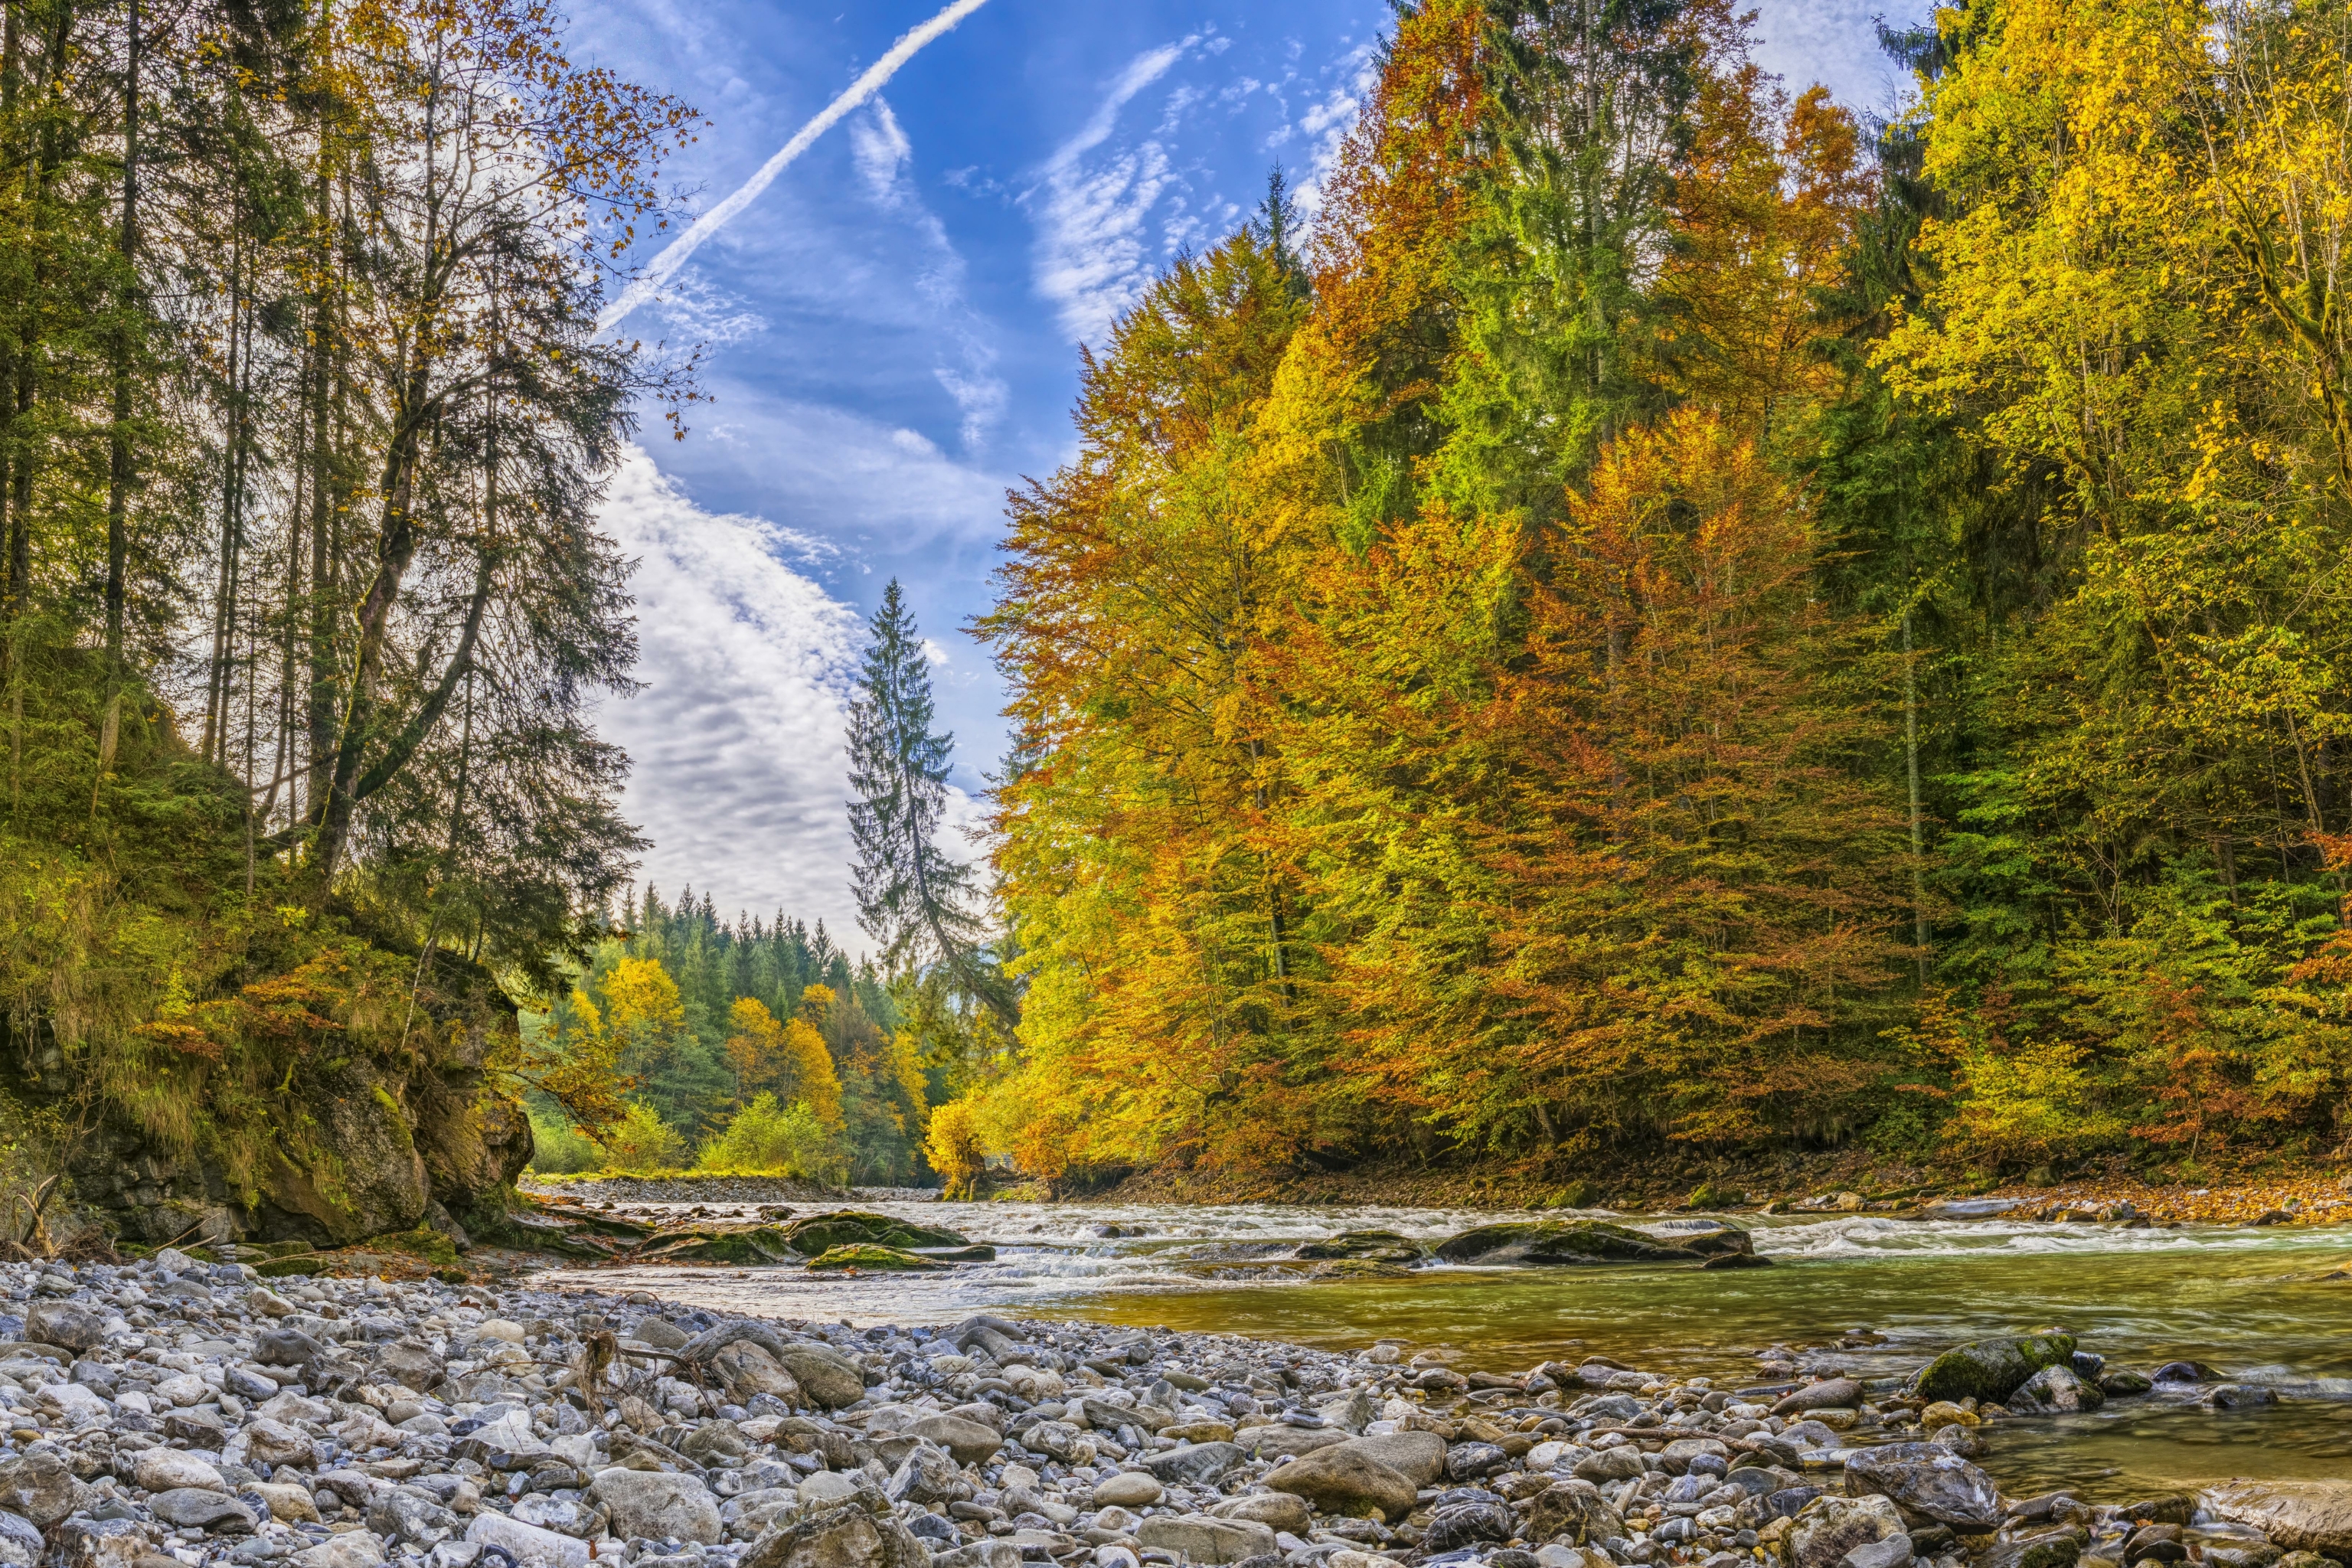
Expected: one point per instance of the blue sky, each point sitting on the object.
(893, 330)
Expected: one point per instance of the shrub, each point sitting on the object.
(641, 1140)
(768, 1139)
(558, 1149)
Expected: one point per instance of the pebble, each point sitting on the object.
(204, 1419)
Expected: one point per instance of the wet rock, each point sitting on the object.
(1572, 1512)
(1346, 1479)
(2180, 1371)
(819, 1234)
(1463, 1524)
(865, 1256)
(2302, 1516)
(661, 1507)
(1199, 1538)
(1990, 1371)
(2051, 1548)
(842, 1537)
(1927, 1479)
(1474, 1461)
(2117, 1383)
(2055, 1390)
(2238, 1396)
(1619, 1464)
(1841, 1392)
(1558, 1242)
(1365, 1246)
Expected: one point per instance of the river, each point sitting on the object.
(1867, 1294)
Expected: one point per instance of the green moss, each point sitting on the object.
(284, 1268)
(822, 1233)
(743, 1245)
(423, 1242)
(865, 1255)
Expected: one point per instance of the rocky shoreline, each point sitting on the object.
(170, 1413)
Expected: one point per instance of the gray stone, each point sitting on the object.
(1419, 1457)
(286, 1347)
(1926, 1478)
(969, 1441)
(1619, 1463)
(1129, 1489)
(842, 1537)
(2055, 1390)
(928, 1477)
(163, 1469)
(530, 1546)
(1277, 1510)
(66, 1324)
(1830, 1394)
(38, 1487)
(2302, 1516)
(1830, 1527)
(659, 1507)
(1895, 1551)
(1201, 1538)
(98, 1544)
(1345, 1479)
(1465, 1524)
(194, 1507)
(20, 1545)
(396, 1513)
(828, 1377)
(1194, 1463)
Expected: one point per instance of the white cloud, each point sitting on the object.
(735, 743)
(700, 311)
(934, 652)
(1090, 259)
(880, 150)
(1327, 120)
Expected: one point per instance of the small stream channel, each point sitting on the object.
(1866, 1294)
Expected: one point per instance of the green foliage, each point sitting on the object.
(764, 1138)
(558, 1149)
(641, 1143)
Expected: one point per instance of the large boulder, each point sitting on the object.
(1828, 1527)
(360, 1174)
(2302, 1516)
(846, 1536)
(1199, 1538)
(1194, 1464)
(1345, 1479)
(2053, 1390)
(827, 1377)
(1419, 1457)
(748, 1371)
(1572, 1513)
(1926, 1478)
(970, 1442)
(819, 1234)
(659, 1507)
(38, 1487)
(1990, 1371)
(1552, 1241)
(1364, 1246)
(66, 1325)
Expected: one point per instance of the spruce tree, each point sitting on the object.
(912, 896)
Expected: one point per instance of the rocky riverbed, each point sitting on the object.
(171, 1412)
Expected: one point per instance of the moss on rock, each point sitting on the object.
(865, 1255)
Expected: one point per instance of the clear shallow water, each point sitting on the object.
(2249, 1303)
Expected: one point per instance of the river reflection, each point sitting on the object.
(2249, 1302)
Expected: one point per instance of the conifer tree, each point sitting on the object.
(912, 896)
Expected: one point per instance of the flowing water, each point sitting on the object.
(2252, 1303)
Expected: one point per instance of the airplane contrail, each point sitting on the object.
(674, 256)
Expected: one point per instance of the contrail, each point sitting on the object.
(673, 257)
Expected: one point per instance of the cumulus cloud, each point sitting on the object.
(735, 742)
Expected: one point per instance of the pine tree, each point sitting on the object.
(912, 896)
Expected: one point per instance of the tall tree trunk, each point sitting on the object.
(1911, 761)
(119, 476)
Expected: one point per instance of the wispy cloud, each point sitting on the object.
(1337, 97)
(737, 741)
(701, 311)
(1091, 261)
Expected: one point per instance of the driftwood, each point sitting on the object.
(699, 1349)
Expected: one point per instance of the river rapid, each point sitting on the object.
(1866, 1294)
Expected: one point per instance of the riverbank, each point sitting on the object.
(1847, 1181)
(208, 1418)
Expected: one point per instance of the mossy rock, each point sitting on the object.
(1718, 1239)
(256, 1252)
(1559, 1241)
(1577, 1195)
(285, 1267)
(1990, 1371)
(423, 1242)
(865, 1255)
(1364, 1246)
(979, 1253)
(822, 1233)
(741, 1246)
(451, 1275)
(1713, 1195)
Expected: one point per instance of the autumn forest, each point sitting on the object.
(1652, 610)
